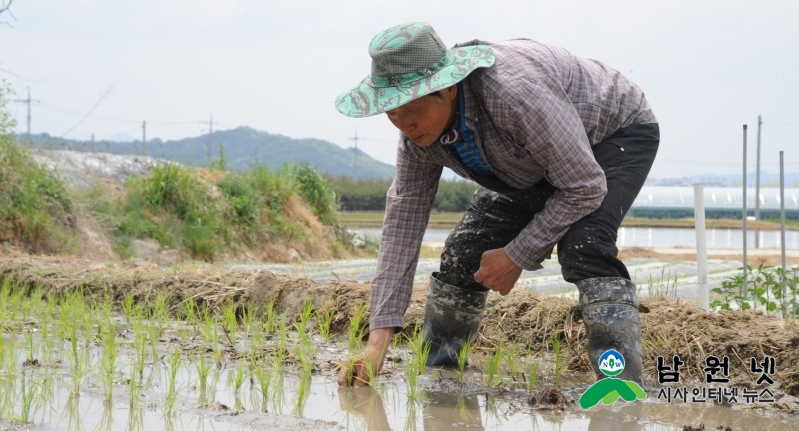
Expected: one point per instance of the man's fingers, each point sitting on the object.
(477, 276)
(345, 375)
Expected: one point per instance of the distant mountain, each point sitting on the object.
(241, 146)
(122, 137)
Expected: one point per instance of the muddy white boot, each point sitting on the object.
(451, 318)
(610, 312)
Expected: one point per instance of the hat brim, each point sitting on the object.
(366, 100)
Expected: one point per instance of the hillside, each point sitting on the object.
(241, 146)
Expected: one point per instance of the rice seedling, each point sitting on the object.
(270, 317)
(512, 356)
(264, 380)
(230, 323)
(257, 342)
(559, 366)
(411, 415)
(462, 356)
(463, 409)
(130, 308)
(239, 376)
(532, 376)
(216, 352)
(411, 378)
(303, 391)
(30, 346)
(324, 321)
(203, 368)
(248, 316)
(305, 315)
(420, 349)
(48, 343)
(78, 357)
(356, 331)
(109, 359)
(278, 392)
(280, 353)
(492, 364)
(139, 348)
(29, 399)
(492, 411)
(72, 412)
(159, 314)
(188, 312)
(134, 387)
(172, 389)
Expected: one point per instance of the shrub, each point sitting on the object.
(316, 192)
(181, 207)
(35, 208)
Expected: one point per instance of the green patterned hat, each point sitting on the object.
(408, 62)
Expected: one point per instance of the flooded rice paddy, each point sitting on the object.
(80, 363)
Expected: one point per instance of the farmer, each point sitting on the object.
(560, 146)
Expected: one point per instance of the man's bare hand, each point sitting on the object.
(497, 272)
(355, 371)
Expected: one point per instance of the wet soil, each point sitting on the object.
(670, 327)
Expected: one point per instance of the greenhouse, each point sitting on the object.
(720, 202)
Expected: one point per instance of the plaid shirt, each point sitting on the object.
(535, 114)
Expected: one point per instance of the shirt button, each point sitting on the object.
(622, 148)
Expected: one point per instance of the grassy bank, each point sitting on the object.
(450, 219)
(211, 213)
(36, 212)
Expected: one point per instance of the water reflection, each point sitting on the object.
(447, 411)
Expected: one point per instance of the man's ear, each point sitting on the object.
(450, 93)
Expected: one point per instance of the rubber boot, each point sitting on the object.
(451, 318)
(610, 311)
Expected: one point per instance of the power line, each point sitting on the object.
(107, 92)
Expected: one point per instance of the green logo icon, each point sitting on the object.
(611, 363)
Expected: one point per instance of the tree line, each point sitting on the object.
(370, 194)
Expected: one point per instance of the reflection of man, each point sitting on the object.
(441, 411)
(561, 146)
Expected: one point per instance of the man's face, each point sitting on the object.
(424, 119)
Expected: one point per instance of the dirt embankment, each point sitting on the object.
(670, 327)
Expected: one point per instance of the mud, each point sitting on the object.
(672, 327)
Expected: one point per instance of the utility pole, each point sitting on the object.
(144, 138)
(28, 101)
(757, 184)
(92, 142)
(757, 178)
(210, 139)
(355, 154)
(745, 211)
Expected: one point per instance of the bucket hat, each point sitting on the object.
(408, 62)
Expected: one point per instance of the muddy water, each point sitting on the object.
(446, 403)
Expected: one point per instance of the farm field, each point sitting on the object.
(100, 346)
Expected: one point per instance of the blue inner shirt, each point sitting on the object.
(467, 148)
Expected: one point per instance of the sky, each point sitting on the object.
(707, 67)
